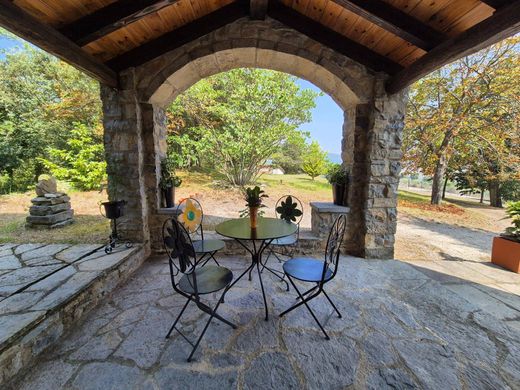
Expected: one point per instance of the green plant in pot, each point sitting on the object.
(339, 178)
(169, 181)
(254, 198)
(506, 248)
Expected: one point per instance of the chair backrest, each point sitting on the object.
(290, 208)
(333, 248)
(190, 215)
(179, 248)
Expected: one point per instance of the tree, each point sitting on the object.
(462, 108)
(290, 155)
(41, 98)
(81, 162)
(235, 121)
(315, 160)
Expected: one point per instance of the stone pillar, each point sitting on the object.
(375, 174)
(125, 156)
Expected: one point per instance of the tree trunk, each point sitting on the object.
(438, 176)
(444, 187)
(482, 195)
(494, 194)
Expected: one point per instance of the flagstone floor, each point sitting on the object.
(401, 328)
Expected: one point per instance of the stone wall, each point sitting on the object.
(135, 123)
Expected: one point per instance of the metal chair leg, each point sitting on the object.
(304, 302)
(212, 315)
(333, 305)
(308, 291)
(212, 255)
(178, 318)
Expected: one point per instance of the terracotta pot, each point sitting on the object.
(506, 253)
(253, 217)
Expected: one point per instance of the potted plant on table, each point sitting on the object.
(254, 197)
(169, 181)
(506, 248)
(338, 177)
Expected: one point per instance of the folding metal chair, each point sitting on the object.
(196, 280)
(317, 271)
(191, 216)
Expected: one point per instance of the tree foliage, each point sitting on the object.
(315, 160)
(235, 121)
(464, 117)
(41, 100)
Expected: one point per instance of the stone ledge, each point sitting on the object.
(36, 318)
(329, 207)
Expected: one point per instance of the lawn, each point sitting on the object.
(91, 227)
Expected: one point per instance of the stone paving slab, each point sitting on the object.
(401, 329)
(50, 290)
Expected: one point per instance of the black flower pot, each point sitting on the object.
(113, 210)
(169, 196)
(340, 194)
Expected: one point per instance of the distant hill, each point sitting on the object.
(334, 158)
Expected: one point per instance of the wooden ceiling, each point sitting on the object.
(405, 38)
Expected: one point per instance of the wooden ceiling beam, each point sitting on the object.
(330, 38)
(47, 38)
(111, 18)
(395, 21)
(185, 34)
(504, 23)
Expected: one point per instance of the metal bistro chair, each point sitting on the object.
(190, 215)
(195, 280)
(289, 208)
(317, 271)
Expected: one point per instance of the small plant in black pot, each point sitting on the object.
(169, 181)
(338, 177)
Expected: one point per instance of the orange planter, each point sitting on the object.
(506, 253)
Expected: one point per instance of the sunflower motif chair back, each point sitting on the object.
(179, 248)
(190, 215)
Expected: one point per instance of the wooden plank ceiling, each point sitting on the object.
(386, 35)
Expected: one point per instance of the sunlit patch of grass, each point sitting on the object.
(301, 182)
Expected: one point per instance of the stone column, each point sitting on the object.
(124, 151)
(375, 174)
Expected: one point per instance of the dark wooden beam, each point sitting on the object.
(331, 39)
(181, 36)
(496, 4)
(258, 9)
(111, 18)
(504, 23)
(395, 21)
(45, 37)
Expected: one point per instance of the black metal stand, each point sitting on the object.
(114, 239)
(256, 261)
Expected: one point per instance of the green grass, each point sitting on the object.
(413, 197)
(301, 182)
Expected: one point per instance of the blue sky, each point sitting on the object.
(327, 117)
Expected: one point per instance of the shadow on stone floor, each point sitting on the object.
(401, 328)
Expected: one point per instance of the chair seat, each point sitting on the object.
(210, 278)
(289, 240)
(307, 270)
(208, 246)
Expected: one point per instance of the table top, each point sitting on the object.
(268, 228)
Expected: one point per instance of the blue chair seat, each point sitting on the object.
(208, 246)
(289, 240)
(305, 269)
(209, 279)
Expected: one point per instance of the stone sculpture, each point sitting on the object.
(50, 209)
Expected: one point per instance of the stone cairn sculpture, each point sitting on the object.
(51, 209)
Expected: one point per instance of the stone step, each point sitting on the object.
(35, 318)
